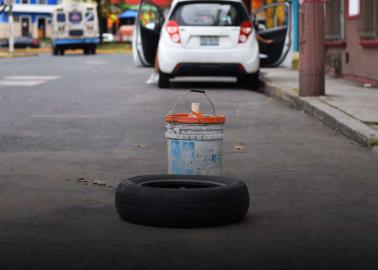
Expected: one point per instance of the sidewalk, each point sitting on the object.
(23, 53)
(102, 49)
(349, 108)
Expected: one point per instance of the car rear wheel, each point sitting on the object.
(163, 80)
(182, 200)
(249, 81)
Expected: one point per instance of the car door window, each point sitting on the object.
(272, 22)
(150, 17)
(272, 17)
(148, 27)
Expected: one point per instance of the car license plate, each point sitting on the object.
(209, 41)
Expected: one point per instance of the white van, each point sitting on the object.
(75, 26)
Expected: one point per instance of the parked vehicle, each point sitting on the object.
(75, 26)
(21, 42)
(208, 38)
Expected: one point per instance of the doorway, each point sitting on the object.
(41, 24)
(25, 26)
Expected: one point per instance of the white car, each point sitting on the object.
(207, 38)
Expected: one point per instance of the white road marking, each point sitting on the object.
(21, 83)
(28, 80)
(37, 78)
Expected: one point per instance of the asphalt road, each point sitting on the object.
(314, 192)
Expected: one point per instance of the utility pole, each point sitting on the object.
(311, 25)
(11, 26)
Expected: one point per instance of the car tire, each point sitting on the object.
(249, 81)
(163, 81)
(55, 50)
(182, 200)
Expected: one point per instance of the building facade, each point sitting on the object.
(31, 18)
(352, 40)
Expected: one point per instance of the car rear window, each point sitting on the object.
(75, 17)
(209, 14)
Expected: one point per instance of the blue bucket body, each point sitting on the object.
(195, 150)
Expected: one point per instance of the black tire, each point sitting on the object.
(182, 200)
(163, 80)
(55, 50)
(249, 81)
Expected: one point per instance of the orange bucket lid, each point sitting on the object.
(194, 118)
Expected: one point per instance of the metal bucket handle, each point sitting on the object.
(193, 91)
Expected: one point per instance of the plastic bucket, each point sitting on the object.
(194, 142)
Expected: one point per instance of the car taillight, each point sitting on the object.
(245, 31)
(173, 30)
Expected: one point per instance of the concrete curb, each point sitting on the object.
(330, 116)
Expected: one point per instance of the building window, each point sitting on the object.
(368, 19)
(353, 8)
(335, 20)
(24, 1)
(42, 2)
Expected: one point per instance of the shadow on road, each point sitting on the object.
(230, 84)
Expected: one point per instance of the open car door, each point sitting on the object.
(273, 22)
(148, 24)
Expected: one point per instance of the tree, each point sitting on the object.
(105, 8)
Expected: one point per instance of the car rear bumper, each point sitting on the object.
(208, 69)
(74, 41)
(198, 62)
